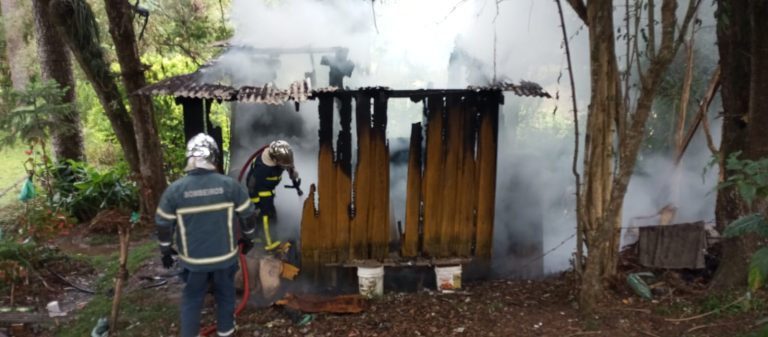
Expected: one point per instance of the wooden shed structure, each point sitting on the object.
(346, 216)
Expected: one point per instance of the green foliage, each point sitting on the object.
(750, 179)
(83, 191)
(758, 266)
(186, 27)
(753, 223)
(29, 119)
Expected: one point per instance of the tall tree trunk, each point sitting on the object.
(606, 103)
(55, 65)
(14, 43)
(758, 100)
(610, 129)
(733, 41)
(151, 159)
(77, 25)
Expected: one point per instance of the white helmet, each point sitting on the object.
(280, 151)
(203, 147)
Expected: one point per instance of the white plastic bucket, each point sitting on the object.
(448, 277)
(371, 281)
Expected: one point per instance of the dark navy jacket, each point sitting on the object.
(201, 207)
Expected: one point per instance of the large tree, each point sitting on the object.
(55, 65)
(77, 24)
(743, 47)
(616, 124)
(13, 27)
(121, 29)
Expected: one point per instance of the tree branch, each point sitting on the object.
(574, 167)
(581, 9)
(651, 47)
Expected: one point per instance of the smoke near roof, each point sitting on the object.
(436, 43)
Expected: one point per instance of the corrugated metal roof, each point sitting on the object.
(191, 86)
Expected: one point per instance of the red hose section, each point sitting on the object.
(246, 294)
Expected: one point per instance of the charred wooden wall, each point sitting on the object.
(451, 180)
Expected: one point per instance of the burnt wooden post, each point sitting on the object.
(363, 189)
(197, 119)
(326, 180)
(343, 177)
(411, 243)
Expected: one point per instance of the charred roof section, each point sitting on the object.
(192, 86)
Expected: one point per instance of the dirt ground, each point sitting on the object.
(481, 308)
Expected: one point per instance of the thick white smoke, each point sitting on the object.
(409, 44)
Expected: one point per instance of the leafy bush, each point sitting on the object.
(750, 178)
(83, 191)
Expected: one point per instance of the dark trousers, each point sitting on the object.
(193, 296)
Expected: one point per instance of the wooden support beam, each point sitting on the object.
(411, 239)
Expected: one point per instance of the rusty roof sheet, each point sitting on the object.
(191, 86)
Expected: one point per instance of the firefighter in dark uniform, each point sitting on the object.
(266, 171)
(200, 209)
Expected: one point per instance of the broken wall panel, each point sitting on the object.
(451, 180)
(362, 188)
(486, 171)
(343, 178)
(410, 245)
(451, 208)
(379, 204)
(433, 176)
(468, 186)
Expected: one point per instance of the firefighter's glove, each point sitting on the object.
(167, 258)
(245, 245)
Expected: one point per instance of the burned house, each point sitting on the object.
(347, 217)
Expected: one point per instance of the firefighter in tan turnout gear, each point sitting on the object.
(200, 209)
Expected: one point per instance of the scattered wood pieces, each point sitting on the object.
(343, 304)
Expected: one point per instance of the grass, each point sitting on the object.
(11, 170)
(137, 307)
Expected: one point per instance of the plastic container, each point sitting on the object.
(371, 281)
(448, 277)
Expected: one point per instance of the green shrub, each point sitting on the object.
(83, 191)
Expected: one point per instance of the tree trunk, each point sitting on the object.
(733, 41)
(151, 159)
(14, 43)
(606, 103)
(758, 100)
(55, 65)
(82, 37)
(602, 198)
